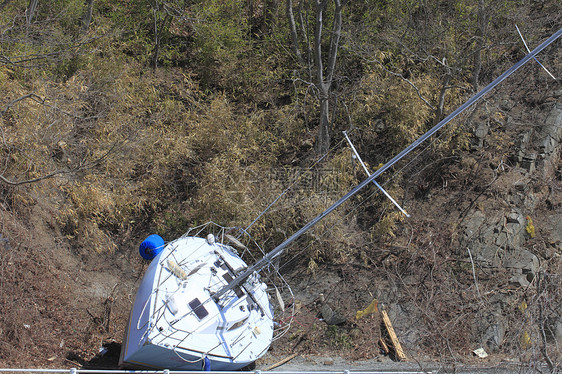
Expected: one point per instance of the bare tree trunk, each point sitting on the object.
(159, 27)
(335, 41)
(480, 32)
(324, 83)
(87, 17)
(269, 14)
(323, 139)
(321, 75)
(30, 13)
(293, 32)
(156, 49)
(444, 87)
(304, 27)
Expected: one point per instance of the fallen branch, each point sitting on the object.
(400, 355)
(283, 361)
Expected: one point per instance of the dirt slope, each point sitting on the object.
(61, 304)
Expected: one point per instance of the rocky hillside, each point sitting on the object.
(477, 266)
(121, 119)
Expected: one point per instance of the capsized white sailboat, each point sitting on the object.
(200, 306)
(175, 322)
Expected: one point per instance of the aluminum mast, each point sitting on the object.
(279, 249)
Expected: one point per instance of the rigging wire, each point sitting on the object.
(374, 192)
(292, 184)
(407, 150)
(281, 247)
(327, 231)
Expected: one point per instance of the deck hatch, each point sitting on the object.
(198, 308)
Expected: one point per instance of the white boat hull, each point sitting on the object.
(176, 324)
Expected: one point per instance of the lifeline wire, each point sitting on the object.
(277, 251)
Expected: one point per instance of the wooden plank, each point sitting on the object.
(393, 338)
(383, 346)
(283, 361)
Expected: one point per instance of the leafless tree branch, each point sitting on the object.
(33, 180)
(55, 173)
(22, 60)
(40, 100)
(31, 96)
(407, 81)
(541, 289)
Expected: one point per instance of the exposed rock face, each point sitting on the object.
(496, 241)
(498, 238)
(548, 140)
(540, 146)
(331, 317)
(494, 335)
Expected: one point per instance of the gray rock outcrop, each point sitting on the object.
(540, 146)
(497, 238)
